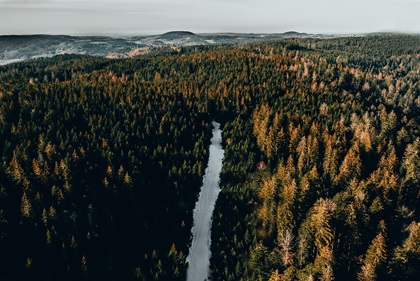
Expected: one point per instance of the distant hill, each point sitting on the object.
(294, 33)
(179, 33)
(14, 48)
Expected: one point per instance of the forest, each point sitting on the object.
(102, 161)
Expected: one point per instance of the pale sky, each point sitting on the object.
(202, 16)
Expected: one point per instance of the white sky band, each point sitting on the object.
(158, 16)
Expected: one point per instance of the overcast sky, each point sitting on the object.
(157, 16)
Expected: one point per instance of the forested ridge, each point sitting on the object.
(102, 161)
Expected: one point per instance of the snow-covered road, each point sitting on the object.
(199, 254)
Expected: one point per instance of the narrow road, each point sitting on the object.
(199, 254)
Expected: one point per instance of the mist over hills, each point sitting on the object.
(14, 48)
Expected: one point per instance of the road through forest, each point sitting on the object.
(199, 253)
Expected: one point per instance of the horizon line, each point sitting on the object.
(155, 33)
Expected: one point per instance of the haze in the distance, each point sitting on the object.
(157, 16)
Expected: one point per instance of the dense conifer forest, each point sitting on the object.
(102, 161)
